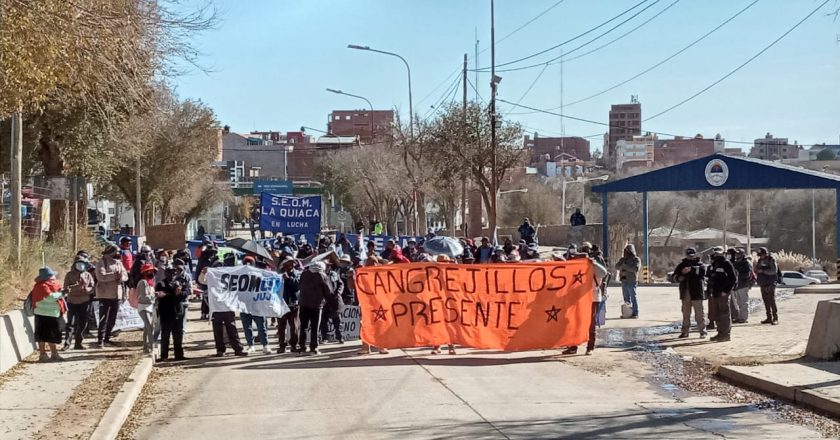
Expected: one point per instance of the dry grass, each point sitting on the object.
(793, 261)
(16, 280)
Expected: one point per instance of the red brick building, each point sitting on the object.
(669, 152)
(625, 122)
(538, 147)
(359, 123)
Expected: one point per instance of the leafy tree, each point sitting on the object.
(826, 154)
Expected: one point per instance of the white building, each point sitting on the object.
(636, 152)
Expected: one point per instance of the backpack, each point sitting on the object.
(28, 308)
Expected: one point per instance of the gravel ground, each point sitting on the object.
(78, 416)
(161, 382)
(676, 374)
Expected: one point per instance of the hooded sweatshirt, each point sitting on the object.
(628, 266)
(315, 286)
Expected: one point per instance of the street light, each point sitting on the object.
(582, 180)
(339, 92)
(286, 150)
(407, 68)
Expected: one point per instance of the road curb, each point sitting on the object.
(111, 423)
(803, 395)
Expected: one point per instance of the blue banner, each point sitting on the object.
(289, 214)
(273, 186)
(380, 240)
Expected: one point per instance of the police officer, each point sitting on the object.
(722, 280)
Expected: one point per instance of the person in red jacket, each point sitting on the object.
(396, 256)
(126, 256)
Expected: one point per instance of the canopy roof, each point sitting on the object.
(721, 172)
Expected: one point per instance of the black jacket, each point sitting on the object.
(172, 303)
(335, 300)
(745, 273)
(291, 288)
(315, 288)
(691, 283)
(722, 277)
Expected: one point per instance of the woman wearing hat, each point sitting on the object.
(146, 304)
(49, 306)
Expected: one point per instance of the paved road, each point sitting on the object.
(411, 394)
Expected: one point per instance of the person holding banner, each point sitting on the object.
(315, 288)
(371, 261)
(247, 319)
(291, 294)
(599, 273)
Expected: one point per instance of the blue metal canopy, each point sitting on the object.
(713, 173)
(720, 172)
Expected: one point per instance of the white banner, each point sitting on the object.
(246, 289)
(128, 318)
(350, 323)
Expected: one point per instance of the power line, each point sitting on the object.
(524, 25)
(475, 90)
(528, 90)
(453, 87)
(483, 69)
(590, 121)
(439, 86)
(554, 60)
(732, 72)
(669, 58)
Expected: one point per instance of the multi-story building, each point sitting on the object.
(539, 147)
(773, 148)
(669, 152)
(362, 123)
(625, 122)
(634, 153)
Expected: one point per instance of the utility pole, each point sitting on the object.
(464, 180)
(16, 183)
(475, 63)
(493, 83)
(138, 208)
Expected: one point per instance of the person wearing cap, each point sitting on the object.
(599, 272)
(144, 256)
(333, 305)
(690, 274)
(628, 267)
(291, 294)
(146, 305)
(110, 276)
(126, 255)
(315, 288)
(739, 301)
(526, 231)
(170, 295)
(347, 272)
(48, 306)
(722, 280)
(766, 272)
(79, 285)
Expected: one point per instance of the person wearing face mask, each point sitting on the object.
(146, 305)
(170, 294)
(143, 257)
(79, 284)
(110, 276)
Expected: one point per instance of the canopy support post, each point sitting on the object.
(646, 226)
(605, 226)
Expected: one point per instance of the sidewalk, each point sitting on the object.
(64, 399)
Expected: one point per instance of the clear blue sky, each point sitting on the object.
(272, 59)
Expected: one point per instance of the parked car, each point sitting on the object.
(796, 279)
(818, 274)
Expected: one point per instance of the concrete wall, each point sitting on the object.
(824, 340)
(17, 338)
(556, 235)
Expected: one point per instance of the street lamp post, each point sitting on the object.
(563, 193)
(407, 68)
(288, 149)
(339, 92)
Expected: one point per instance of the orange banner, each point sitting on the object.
(520, 306)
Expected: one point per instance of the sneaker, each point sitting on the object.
(383, 351)
(266, 350)
(589, 351)
(56, 357)
(65, 347)
(776, 322)
(702, 335)
(683, 335)
(43, 357)
(250, 349)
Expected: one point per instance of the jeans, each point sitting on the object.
(723, 316)
(309, 320)
(262, 331)
(293, 322)
(629, 291)
(107, 318)
(225, 322)
(768, 294)
(171, 325)
(591, 344)
(148, 317)
(741, 304)
(697, 305)
(330, 317)
(76, 323)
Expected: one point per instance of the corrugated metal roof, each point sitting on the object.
(744, 173)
